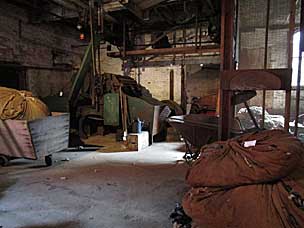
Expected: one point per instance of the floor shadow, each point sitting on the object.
(38, 166)
(5, 184)
(69, 224)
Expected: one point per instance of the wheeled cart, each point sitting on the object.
(37, 139)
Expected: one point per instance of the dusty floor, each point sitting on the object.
(111, 190)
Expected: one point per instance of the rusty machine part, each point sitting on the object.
(198, 130)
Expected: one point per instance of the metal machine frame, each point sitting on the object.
(242, 80)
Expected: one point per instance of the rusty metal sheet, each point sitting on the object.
(15, 139)
(274, 79)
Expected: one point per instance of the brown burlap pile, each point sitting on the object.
(20, 105)
(234, 186)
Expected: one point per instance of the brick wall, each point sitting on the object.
(157, 81)
(33, 45)
(201, 82)
(108, 64)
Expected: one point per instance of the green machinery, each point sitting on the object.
(121, 102)
(110, 101)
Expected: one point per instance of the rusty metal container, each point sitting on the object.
(197, 129)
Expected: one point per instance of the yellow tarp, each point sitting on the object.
(20, 105)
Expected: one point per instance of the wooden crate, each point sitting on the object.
(138, 141)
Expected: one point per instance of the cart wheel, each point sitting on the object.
(48, 160)
(3, 160)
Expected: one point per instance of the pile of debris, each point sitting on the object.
(271, 121)
(247, 182)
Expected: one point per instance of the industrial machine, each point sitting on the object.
(109, 102)
(121, 102)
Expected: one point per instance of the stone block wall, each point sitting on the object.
(33, 47)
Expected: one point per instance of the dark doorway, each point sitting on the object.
(12, 77)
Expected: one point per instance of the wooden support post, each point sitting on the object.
(200, 36)
(124, 39)
(290, 55)
(138, 75)
(196, 28)
(301, 48)
(174, 41)
(265, 61)
(184, 39)
(183, 88)
(227, 63)
(171, 85)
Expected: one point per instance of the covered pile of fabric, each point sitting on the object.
(20, 105)
(253, 185)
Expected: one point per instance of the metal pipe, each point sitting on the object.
(174, 43)
(169, 51)
(101, 31)
(251, 115)
(92, 36)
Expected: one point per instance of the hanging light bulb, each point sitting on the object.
(81, 36)
(79, 26)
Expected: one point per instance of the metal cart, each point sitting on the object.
(37, 139)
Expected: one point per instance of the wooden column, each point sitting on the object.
(301, 49)
(183, 89)
(290, 54)
(172, 85)
(227, 63)
(265, 61)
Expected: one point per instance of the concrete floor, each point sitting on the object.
(111, 190)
